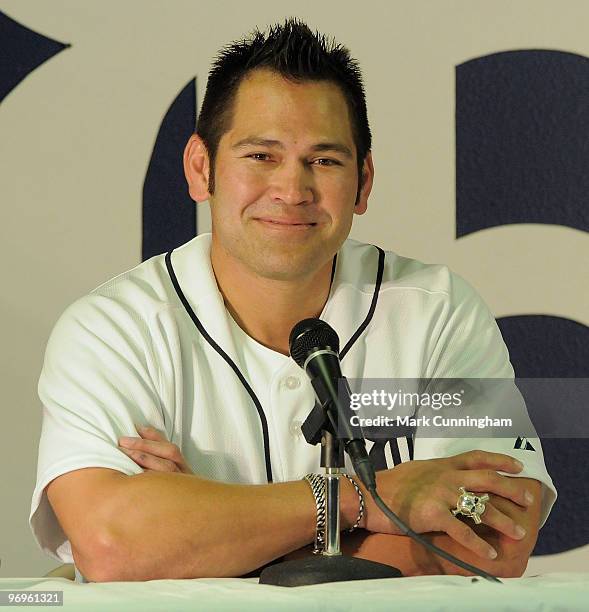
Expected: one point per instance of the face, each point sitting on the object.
(285, 178)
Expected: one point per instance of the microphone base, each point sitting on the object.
(322, 568)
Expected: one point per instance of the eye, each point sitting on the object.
(325, 161)
(259, 156)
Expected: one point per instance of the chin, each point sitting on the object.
(287, 264)
(286, 268)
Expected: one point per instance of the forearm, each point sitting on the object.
(400, 551)
(413, 559)
(172, 525)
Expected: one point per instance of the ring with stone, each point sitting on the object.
(471, 505)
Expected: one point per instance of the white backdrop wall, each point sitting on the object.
(77, 134)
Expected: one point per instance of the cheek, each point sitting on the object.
(241, 184)
(342, 196)
(340, 187)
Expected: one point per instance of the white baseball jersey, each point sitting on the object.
(156, 345)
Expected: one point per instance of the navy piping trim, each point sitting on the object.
(410, 447)
(229, 361)
(370, 314)
(332, 271)
(395, 452)
(363, 326)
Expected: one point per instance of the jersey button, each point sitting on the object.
(292, 382)
(295, 429)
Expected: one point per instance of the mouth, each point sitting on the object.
(286, 223)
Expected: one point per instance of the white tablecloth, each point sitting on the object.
(558, 591)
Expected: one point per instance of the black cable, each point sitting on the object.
(442, 553)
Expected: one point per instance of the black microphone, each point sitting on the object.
(314, 345)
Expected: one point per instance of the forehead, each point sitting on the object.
(268, 103)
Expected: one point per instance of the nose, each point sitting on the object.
(292, 183)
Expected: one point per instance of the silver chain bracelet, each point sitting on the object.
(361, 503)
(317, 483)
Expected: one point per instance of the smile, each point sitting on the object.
(282, 224)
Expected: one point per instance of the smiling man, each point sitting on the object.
(285, 192)
(194, 343)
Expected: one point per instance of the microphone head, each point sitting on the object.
(309, 335)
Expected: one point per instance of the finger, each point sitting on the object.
(479, 459)
(463, 534)
(151, 461)
(488, 481)
(165, 449)
(502, 523)
(151, 433)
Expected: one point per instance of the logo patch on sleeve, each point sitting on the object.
(523, 444)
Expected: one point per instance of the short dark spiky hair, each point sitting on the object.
(298, 54)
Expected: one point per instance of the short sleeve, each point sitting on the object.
(99, 379)
(470, 345)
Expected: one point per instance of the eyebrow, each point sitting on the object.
(319, 147)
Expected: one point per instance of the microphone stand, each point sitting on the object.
(330, 565)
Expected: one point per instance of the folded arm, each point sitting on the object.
(158, 525)
(414, 560)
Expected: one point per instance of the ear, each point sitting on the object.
(367, 180)
(196, 168)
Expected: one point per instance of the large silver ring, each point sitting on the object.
(471, 505)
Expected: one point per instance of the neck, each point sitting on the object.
(267, 309)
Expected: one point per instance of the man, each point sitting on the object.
(195, 344)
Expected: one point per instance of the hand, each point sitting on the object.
(154, 452)
(423, 493)
(513, 554)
